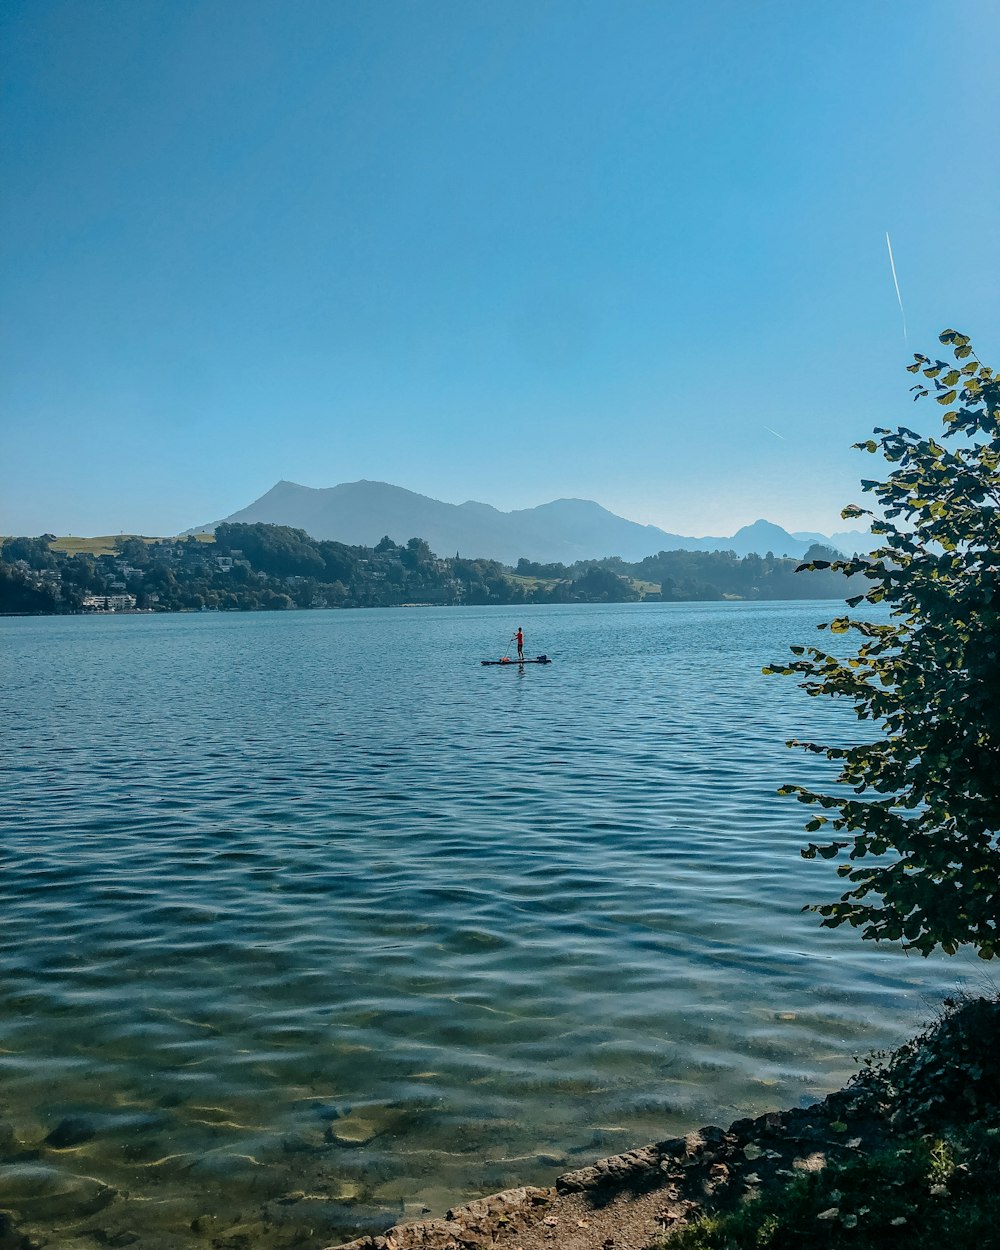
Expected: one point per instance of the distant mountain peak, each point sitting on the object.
(563, 530)
(475, 504)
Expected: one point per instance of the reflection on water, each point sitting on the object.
(309, 916)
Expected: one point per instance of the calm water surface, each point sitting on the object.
(306, 916)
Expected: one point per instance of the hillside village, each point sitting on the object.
(247, 567)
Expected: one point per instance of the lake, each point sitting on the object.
(310, 921)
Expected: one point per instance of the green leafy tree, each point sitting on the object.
(33, 551)
(18, 594)
(603, 586)
(134, 550)
(276, 549)
(531, 568)
(341, 561)
(80, 570)
(921, 824)
(819, 551)
(416, 554)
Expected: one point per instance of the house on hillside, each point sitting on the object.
(108, 603)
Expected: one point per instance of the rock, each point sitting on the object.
(351, 1130)
(814, 1162)
(328, 1110)
(402, 1192)
(711, 1135)
(37, 1190)
(466, 1227)
(616, 1170)
(415, 1211)
(831, 1213)
(342, 1190)
(553, 1159)
(72, 1131)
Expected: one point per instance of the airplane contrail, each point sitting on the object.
(895, 283)
(774, 432)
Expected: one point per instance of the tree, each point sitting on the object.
(134, 550)
(340, 561)
(547, 572)
(416, 554)
(33, 551)
(928, 821)
(603, 586)
(18, 594)
(819, 551)
(276, 549)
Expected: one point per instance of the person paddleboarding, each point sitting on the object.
(505, 659)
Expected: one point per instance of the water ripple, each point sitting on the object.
(308, 915)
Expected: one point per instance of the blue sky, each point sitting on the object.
(508, 252)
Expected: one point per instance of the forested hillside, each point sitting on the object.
(255, 566)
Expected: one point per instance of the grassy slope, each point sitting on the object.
(104, 544)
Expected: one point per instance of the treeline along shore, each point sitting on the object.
(248, 567)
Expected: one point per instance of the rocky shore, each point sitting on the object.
(628, 1201)
(940, 1083)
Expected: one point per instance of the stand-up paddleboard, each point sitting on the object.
(539, 659)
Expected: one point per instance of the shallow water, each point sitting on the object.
(308, 915)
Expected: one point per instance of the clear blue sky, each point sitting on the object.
(507, 252)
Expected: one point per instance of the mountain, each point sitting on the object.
(565, 530)
(847, 541)
(759, 538)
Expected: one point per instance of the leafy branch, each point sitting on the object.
(929, 807)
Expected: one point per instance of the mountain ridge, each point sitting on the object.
(562, 530)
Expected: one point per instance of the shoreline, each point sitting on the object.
(912, 1140)
(944, 1084)
(649, 1189)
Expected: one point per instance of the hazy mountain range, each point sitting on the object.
(360, 513)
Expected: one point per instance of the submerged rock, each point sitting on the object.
(36, 1190)
(352, 1130)
(72, 1131)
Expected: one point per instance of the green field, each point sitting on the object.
(532, 583)
(104, 544)
(546, 583)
